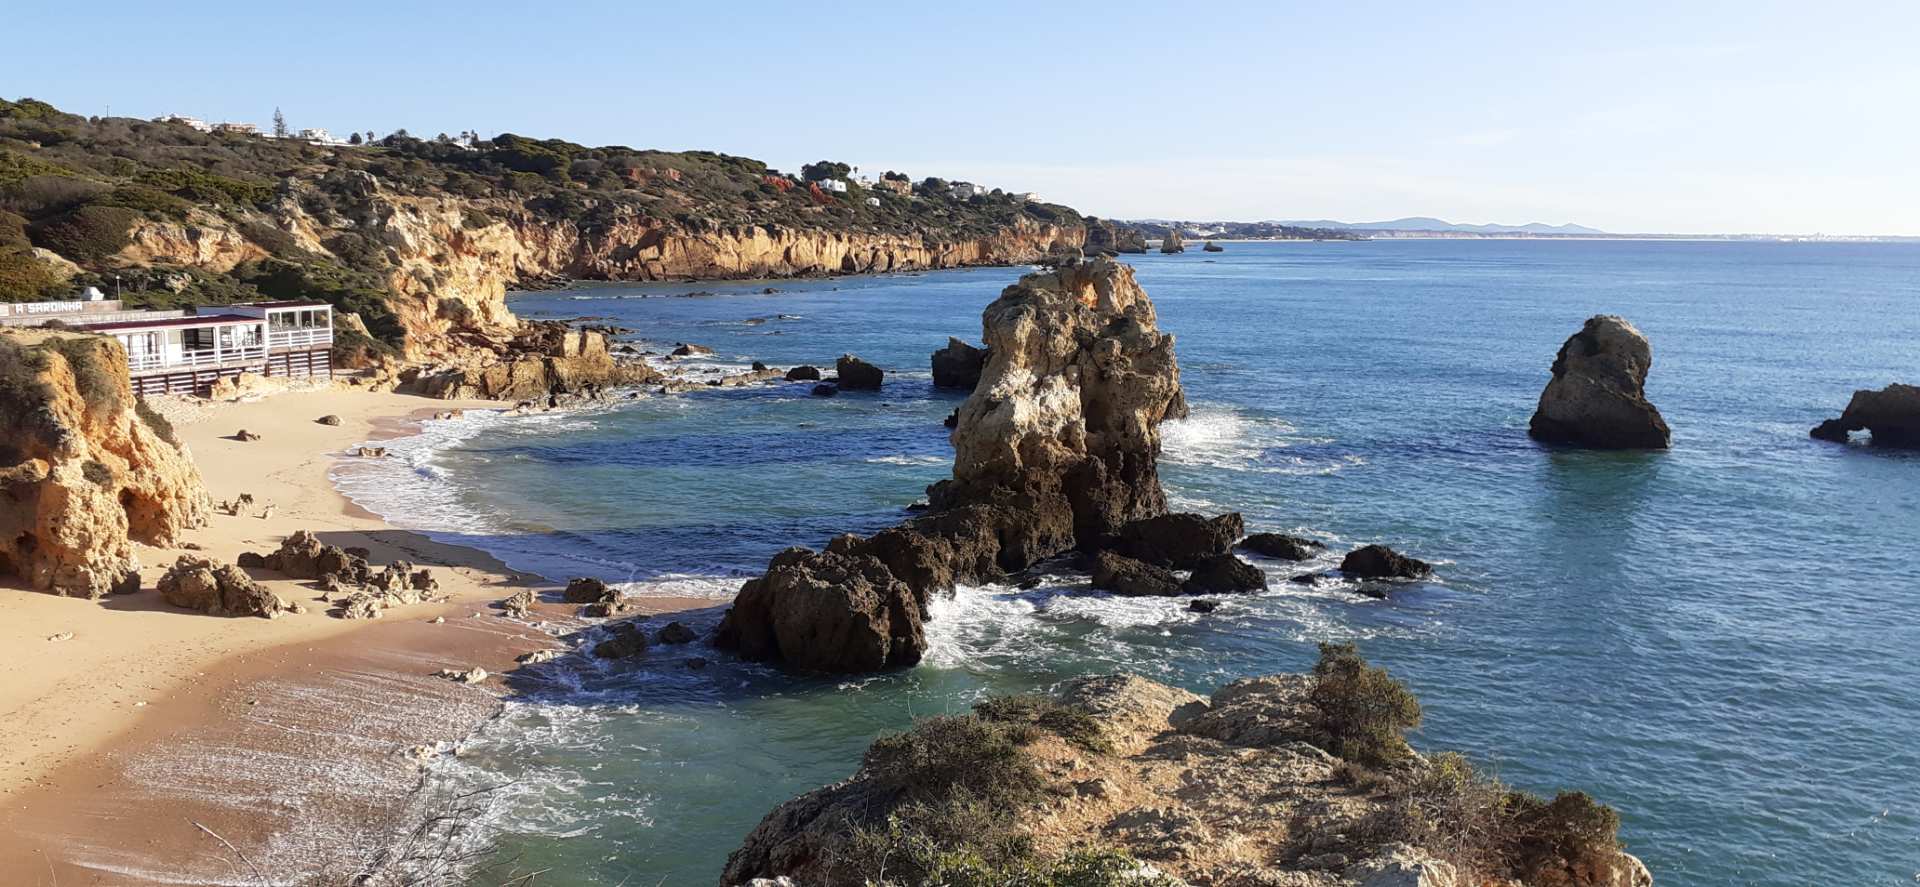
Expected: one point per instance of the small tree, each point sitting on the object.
(279, 124)
(824, 170)
(354, 139)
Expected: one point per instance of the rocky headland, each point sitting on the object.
(1597, 396)
(86, 470)
(1300, 780)
(1891, 415)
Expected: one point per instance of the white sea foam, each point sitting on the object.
(910, 460)
(1226, 438)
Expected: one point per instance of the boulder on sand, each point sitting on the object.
(1597, 397)
(1381, 562)
(195, 583)
(958, 365)
(858, 375)
(588, 590)
(1891, 415)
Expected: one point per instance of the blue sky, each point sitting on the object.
(1683, 117)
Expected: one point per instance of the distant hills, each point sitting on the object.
(1426, 223)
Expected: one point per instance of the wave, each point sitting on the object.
(1227, 438)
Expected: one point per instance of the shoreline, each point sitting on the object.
(147, 719)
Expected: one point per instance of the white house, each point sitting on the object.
(318, 136)
(1025, 196)
(193, 123)
(834, 185)
(873, 201)
(965, 190)
(180, 352)
(245, 129)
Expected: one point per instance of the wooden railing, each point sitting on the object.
(197, 358)
(299, 338)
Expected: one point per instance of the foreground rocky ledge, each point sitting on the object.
(1282, 780)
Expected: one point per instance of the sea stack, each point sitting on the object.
(1056, 448)
(958, 365)
(1891, 415)
(1171, 243)
(1597, 397)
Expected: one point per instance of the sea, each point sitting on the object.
(1721, 640)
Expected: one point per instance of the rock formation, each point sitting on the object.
(1212, 247)
(1242, 788)
(1597, 397)
(1891, 415)
(544, 360)
(85, 469)
(1056, 448)
(958, 365)
(1171, 243)
(803, 373)
(858, 375)
(1104, 238)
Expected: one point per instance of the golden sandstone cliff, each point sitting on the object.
(85, 470)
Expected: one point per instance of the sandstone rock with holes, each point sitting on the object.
(1597, 396)
(1891, 415)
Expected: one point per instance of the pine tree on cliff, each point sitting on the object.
(279, 124)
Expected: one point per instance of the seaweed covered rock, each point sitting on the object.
(1597, 396)
(1057, 448)
(1891, 415)
(86, 470)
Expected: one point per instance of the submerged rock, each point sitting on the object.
(1124, 575)
(1282, 546)
(1381, 562)
(1891, 415)
(858, 375)
(1597, 397)
(958, 365)
(1222, 573)
(1180, 540)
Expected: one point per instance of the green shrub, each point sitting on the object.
(473, 219)
(16, 166)
(1570, 840)
(96, 472)
(147, 199)
(88, 234)
(1046, 713)
(201, 186)
(160, 425)
(24, 278)
(275, 241)
(1363, 709)
(946, 752)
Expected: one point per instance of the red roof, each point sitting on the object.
(166, 322)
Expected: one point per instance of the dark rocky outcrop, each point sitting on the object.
(1124, 575)
(858, 375)
(303, 556)
(688, 349)
(803, 373)
(1381, 562)
(1212, 247)
(1179, 540)
(1223, 573)
(625, 640)
(825, 389)
(1056, 449)
(1891, 415)
(328, 419)
(1597, 397)
(958, 365)
(196, 583)
(587, 590)
(1282, 546)
(676, 633)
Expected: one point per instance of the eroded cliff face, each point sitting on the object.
(82, 475)
(451, 260)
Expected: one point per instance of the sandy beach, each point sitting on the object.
(139, 740)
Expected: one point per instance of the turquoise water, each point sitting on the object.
(1719, 640)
